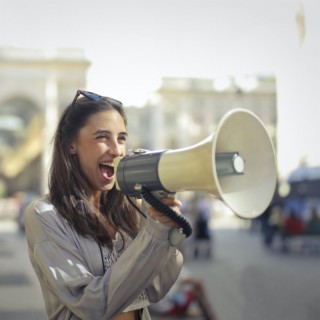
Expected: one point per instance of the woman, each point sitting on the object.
(93, 255)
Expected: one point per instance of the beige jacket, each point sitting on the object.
(70, 268)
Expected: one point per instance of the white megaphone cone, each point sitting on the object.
(236, 164)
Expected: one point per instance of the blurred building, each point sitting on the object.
(183, 111)
(34, 87)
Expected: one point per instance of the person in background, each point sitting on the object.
(313, 224)
(202, 232)
(274, 224)
(94, 255)
(292, 225)
(186, 293)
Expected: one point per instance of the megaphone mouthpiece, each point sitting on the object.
(229, 163)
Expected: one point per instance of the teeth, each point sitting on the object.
(109, 164)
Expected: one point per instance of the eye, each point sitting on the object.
(122, 139)
(102, 137)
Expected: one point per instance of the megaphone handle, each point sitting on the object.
(166, 210)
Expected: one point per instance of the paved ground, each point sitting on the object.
(20, 296)
(244, 281)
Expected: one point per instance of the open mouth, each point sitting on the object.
(107, 169)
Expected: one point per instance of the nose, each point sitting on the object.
(116, 149)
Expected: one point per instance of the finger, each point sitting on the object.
(171, 201)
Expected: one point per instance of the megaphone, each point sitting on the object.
(235, 164)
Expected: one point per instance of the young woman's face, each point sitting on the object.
(99, 142)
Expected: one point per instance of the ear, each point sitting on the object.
(73, 149)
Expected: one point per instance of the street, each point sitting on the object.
(244, 280)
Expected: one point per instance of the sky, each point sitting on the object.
(133, 44)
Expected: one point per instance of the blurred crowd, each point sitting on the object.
(12, 208)
(288, 225)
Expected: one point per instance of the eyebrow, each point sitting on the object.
(109, 132)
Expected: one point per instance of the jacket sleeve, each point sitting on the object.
(151, 264)
(148, 263)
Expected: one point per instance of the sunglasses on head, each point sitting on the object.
(95, 97)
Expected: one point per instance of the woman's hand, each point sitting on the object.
(157, 215)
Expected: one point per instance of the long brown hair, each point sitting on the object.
(69, 189)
